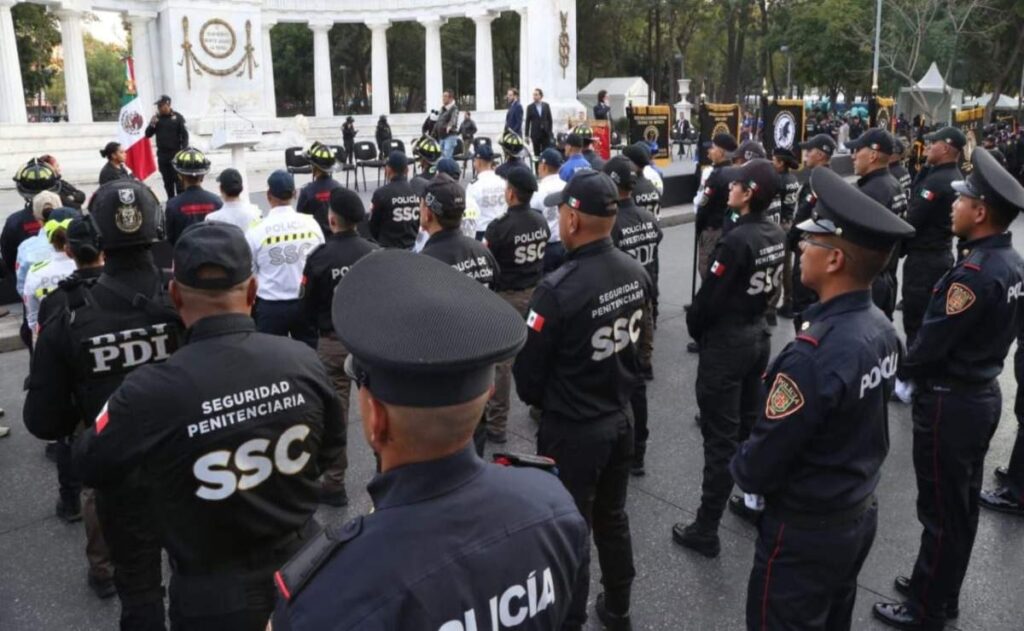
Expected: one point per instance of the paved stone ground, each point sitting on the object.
(42, 565)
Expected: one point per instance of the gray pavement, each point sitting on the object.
(42, 565)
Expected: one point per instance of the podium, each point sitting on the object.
(238, 139)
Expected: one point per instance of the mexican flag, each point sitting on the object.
(131, 128)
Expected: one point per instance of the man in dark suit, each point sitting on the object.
(514, 115)
(538, 122)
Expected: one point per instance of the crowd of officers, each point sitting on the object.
(187, 421)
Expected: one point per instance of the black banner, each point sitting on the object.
(784, 125)
(880, 113)
(651, 124)
(716, 118)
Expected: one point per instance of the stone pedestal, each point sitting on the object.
(684, 109)
(545, 47)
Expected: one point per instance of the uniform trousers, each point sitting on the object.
(496, 413)
(96, 550)
(922, 269)
(593, 463)
(706, 242)
(333, 355)
(883, 293)
(285, 318)
(805, 579)
(638, 402)
(164, 162)
(952, 429)
(732, 359)
(1015, 470)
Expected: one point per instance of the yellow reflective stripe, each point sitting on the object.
(283, 238)
(43, 291)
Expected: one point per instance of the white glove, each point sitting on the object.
(904, 390)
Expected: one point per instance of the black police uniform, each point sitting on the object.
(595, 160)
(315, 198)
(954, 362)
(171, 137)
(19, 226)
(452, 542)
(395, 214)
(802, 296)
(517, 239)
(124, 321)
(110, 172)
(70, 196)
(466, 255)
(645, 195)
(510, 163)
(930, 253)
(784, 204)
(902, 175)
(710, 216)
(191, 206)
(882, 187)
(728, 321)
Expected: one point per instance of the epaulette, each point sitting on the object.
(814, 333)
(297, 572)
(975, 259)
(560, 274)
(526, 460)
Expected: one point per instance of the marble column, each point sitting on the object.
(267, 62)
(525, 89)
(143, 61)
(76, 78)
(379, 68)
(484, 62)
(433, 65)
(12, 93)
(155, 51)
(324, 92)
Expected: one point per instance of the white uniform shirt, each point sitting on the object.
(280, 243)
(652, 174)
(240, 213)
(488, 193)
(548, 185)
(43, 278)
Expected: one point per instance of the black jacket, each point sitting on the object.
(466, 255)
(637, 233)
(539, 126)
(190, 206)
(109, 173)
(171, 133)
(19, 226)
(70, 196)
(931, 204)
(326, 265)
(518, 239)
(646, 196)
(714, 201)
(395, 214)
(315, 199)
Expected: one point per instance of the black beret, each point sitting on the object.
(990, 182)
(423, 334)
(846, 212)
(216, 244)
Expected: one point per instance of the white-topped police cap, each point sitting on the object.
(420, 333)
(990, 182)
(844, 211)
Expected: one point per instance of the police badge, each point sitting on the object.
(128, 218)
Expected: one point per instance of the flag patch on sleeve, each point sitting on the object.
(102, 419)
(717, 268)
(535, 321)
(926, 194)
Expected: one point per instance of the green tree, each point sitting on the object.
(350, 67)
(292, 49)
(105, 66)
(36, 35)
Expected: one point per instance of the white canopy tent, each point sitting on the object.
(1005, 102)
(931, 97)
(621, 91)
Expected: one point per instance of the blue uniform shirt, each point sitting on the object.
(572, 165)
(452, 544)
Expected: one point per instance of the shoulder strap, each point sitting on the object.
(298, 571)
(556, 277)
(814, 333)
(975, 259)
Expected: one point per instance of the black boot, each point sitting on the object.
(611, 621)
(637, 467)
(694, 537)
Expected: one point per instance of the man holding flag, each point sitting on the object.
(132, 136)
(171, 137)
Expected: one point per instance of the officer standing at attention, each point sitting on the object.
(930, 252)
(548, 184)
(784, 161)
(728, 320)
(348, 138)
(587, 134)
(280, 243)
(636, 233)
(817, 153)
(193, 203)
(574, 160)
(171, 137)
(871, 152)
(122, 322)
(1008, 495)
(817, 447)
(512, 144)
(896, 167)
(394, 208)
(582, 373)
(424, 371)
(514, 114)
(442, 203)
(230, 396)
(712, 202)
(517, 239)
(645, 193)
(315, 197)
(954, 362)
(325, 267)
(487, 190)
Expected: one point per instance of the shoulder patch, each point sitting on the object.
(297, 572)
(959, 298)
(554, 278)
(784, 398)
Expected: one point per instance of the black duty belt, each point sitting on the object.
(956, 384)
(821, 521)
(259, 558)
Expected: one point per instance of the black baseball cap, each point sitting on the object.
(522, 178)
(898, 148)
(230, 177)
(622, 171)
(281, 184)
(449, 166)
(990, 182)
(639, 153)
(397, 161)
(875, 139)
(442, 194)
(81, 235)
(844, 211)
(821, 142)
(421, 334)
(787, 156)
(949, 135)
(552, 157)
(587, 191)
(759, 176)
(750, 150)
(212, 244)
(347, 204)
(574, 140)
(163, 99)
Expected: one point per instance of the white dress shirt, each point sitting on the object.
(488, 192)
(280, 243)
(548, 185)
(238, 212)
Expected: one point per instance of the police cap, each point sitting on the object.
(875, 139)
(551, 157)
(572, 140)
(622, 171)
(639, 153)
(484, 152)
(821, 142)
(725, 141)
(82, 237)
(347, 204)
(281, 184)
(162, 100)
(522, 178)
(449, 166)
(758, 176)
(212, 244)
(126, 213)
(949, 135)
(442, 194)
(420, 333)
(750, 150)
(397, 161)
(589, 192)
(898, 147)
(990, 182)
(787, 156)
(844, 211)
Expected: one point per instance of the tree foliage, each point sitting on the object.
(36, 34)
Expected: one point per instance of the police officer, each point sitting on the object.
(442, 203)
(512, 144)
(123, 321)
(230, 396)
(587, 134)
(193, 203)
(898, 169)
(871, 152)
(30, 180)
(930, 253)
(636, 233)
(315, 197)
(817, 153)
(548, 183)
(487, 191)
(817, 447)
(645, 193)
(394, 208)
(428, 152)
(325, 267)
(423, 382)
(954, 362)
(712, 201)
(747, 151)
(1008, 494)
(784, 205)
(171, 137)
(44, 276)
(728, 320)
(517, 239)
(574, 160)
(581, 365)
